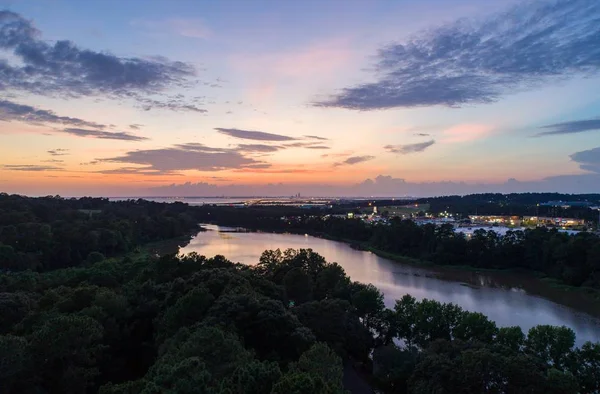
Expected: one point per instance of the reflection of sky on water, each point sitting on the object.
(507, 307)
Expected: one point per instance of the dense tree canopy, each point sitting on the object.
(82, 313)
(52, 232)
(194, 324)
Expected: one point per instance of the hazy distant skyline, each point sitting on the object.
(322, 98)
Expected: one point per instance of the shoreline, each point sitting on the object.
(524, 276)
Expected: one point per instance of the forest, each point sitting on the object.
(85, 310)
(47, 233)
(293, 323)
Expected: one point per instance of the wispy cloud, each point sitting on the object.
(190, 156)
(337, 155)
(318, 147)
(258, 148)
(11, 111)
(176, 103)
(409, 148)
(354, 160)
(588, 160)
(576, 126)
(58, 152)
(30, 167)
(136, 171)
(104, 135)
(253, 135)
(135, 126)
(480, 61)
(316, 137)
(63, 69)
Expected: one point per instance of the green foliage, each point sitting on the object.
(393, 367)
(13, 308)
(50, 233)
(95, 257)
(188, 310)
(368, 302)
(15, 361)
(319, 370)
(334, 322)
(198, 325)
(66, 350)
(298, 285)
(550, 344)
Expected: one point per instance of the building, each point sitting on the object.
(550, 221)
(496, 219)
(567, 204)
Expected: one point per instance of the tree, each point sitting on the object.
(66, 349)
(189, 309)
(587, 367)
(552, 345)
(321, 361)
(13, 308)
(95, 257)
(474, 326)
(368, 301)
(298, 285)
(392, 367)
(15, 363)
(511, 338)
(332, 282)
(319, 370)
(333, 322)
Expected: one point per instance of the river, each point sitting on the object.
(507, 299)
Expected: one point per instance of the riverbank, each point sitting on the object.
(556, 284)
(509, 299)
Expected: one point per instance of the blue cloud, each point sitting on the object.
(355, 160)
(11, 111)
(103, 135)
(588, 160)
(576, 126)
(63, 69)
(478, 62)
(190, 156)
(253, 135)
(409, 148)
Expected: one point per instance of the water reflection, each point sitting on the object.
(507, 299)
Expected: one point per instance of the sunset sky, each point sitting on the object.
(240, 97)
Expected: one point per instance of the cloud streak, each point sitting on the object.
(316, 137)
(258, 148)
(30, 167)
(58, 152)
(192, 156)
(479, 62)
(355, 160)
(104, 135)
(63, 69)
(253, 135)
(576, 126)
(409, 148)
(11, 111)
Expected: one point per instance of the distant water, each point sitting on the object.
(508, 299)
(190, 200)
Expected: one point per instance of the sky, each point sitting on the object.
(318, 97)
